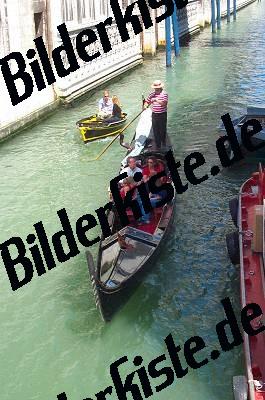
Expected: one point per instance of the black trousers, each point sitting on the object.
(159, 122)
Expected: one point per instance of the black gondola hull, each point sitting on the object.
(110, 301)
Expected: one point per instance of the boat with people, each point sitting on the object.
(131, 251)
(246, 247)
(95, 128)
(253, 112)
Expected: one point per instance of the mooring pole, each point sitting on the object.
(218, 4)
(213, 15)
(228, 10)
(234, 11)
(168, 41)
(175, 24)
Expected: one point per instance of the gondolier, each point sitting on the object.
(158, 100)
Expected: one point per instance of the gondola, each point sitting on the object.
(129, 253)
(92, 128)
(247, 248)
(253, 112)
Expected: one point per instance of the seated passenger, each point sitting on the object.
(132, 167)
(116, 111)
(152, 168)
(128, 184)
(105, 106)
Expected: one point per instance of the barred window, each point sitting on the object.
(68, 12)
(104, 8)
(82, 11)
(91, 12)
(85, 10)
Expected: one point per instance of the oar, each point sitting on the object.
(113, 140)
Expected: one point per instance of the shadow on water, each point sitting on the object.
(218, 42)
(79, 303)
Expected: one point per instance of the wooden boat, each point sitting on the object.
(247, 248)
(127, 255)
(253, 112)
(93, 128)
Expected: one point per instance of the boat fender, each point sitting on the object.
(232, 243)
(233, 207)
(258, 384)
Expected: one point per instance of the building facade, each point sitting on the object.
(85, 14)
(21, 21)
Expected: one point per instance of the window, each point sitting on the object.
(68, 12)
(104, 8)
(79, 11)
(91, 14)
(83, 9)
(38, 19)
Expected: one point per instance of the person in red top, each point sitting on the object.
(158, 100)
(152, 168)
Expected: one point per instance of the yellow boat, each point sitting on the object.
(93, 128)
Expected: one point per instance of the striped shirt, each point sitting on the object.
(156, 107)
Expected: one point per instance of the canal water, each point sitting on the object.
(52, 338)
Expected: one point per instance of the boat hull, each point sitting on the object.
(110, 301)
(91, 129)
(252, 280)
(258, 140)
(257, 154)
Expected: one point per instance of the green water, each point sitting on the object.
(52, 338)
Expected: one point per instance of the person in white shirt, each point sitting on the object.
(105, 106)
(132, 167)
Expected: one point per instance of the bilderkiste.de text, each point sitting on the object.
(41, 256)
(40, 69)
(164, 370)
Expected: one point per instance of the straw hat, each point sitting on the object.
(157, 85)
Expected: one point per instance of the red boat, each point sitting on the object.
(247, 247)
